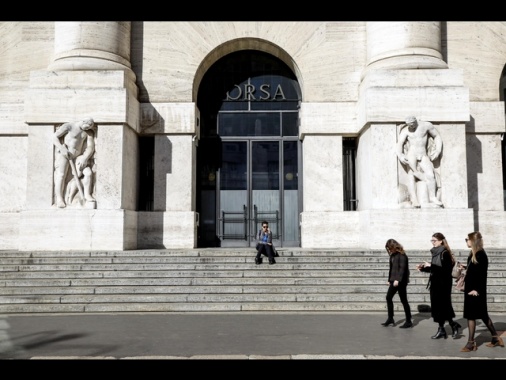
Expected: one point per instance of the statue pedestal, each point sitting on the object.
(370, 229)
(77, 229)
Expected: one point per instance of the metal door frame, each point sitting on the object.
(250, 216)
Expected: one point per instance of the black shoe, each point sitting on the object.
(258, 260)
(388, 322)
(272, 262)
(406, 325)
(441, 333)
(455, 329)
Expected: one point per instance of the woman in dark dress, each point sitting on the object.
(475, 293)
(440, 285)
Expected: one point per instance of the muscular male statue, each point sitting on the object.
(76, 136)
(412, 152)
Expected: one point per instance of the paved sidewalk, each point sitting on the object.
(235, 336)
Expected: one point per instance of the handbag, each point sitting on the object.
(461, 281)
(456, 270)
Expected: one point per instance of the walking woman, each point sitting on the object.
(475, 293)
(398, 279)
(440, 285)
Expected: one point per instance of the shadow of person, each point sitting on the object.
(482, 334)
(420, 316)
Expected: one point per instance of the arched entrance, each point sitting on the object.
(248, 157)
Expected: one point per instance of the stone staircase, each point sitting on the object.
(217, 280)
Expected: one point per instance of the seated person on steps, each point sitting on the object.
(264, 240)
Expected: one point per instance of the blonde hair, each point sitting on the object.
(476, 244)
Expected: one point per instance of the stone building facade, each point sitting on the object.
(201, 130)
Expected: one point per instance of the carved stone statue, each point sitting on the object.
(75, 148)
(419, 145)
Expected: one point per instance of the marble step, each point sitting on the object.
(344, 306)
(209, 280)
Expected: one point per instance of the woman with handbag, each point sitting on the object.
(440, 285)
(398, 279)
(475, 293)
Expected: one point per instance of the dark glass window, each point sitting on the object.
(349, 156)
(233, 166)
(265, 165)
(290, 123)
(248, 124)
(146, 173)
(290, 165)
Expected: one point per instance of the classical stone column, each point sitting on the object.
(97, 45)
(404, 45)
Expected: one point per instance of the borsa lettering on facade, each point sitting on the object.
(250, 92)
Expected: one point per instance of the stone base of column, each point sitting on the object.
(9, 230)
(170, 229)
(77, 230)
(370, 229)
(406, 62)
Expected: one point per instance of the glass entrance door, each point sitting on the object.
(265, 188)
(249, 191)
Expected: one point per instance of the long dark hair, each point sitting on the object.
(393, 246)
(440, 236)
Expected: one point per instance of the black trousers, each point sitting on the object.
(403, 295)
(265, 249)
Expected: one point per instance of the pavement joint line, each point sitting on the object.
(261, 357)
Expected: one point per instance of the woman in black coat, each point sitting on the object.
(398, 279)
(475, 292)
(440, 285)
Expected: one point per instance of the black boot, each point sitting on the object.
(441, 333)
(258, 260)
(388, 322)
(455, 329)
(408, 324)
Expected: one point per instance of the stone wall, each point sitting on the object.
(341, 96)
